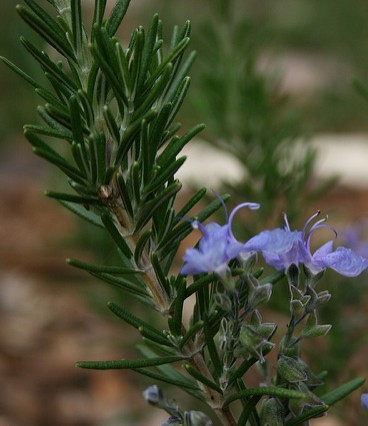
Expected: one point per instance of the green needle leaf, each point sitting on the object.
(76, 122)
(127, 363)
(83, 212)
(102, 268)
(241, 370)
(69, 170)
(341, 392)
(46, 131)
(176, 145)
(179, 303)
(100, 6)
(198, 376)
(71, 198)
(77, 26)
(147, 53)
(193, 330)
(21, 73)
(128, 285)
(144, 328)
(48, 66)
(211, 347)
(266, 390)
(151, 206)
(182, 384)
(47, 27)
(117, 15)
(129, 134)
(310, 414)
(114, 232)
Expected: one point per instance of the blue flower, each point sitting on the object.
(364, 400)
(216, 247)
(153, 395)
(282, 247)
(354, 237)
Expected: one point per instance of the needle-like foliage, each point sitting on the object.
(114, 109)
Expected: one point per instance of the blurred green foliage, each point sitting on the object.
(331, 36)
(334, 31)
(17, 102)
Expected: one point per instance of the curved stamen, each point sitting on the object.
(223, 204)
(252, 206)
(318, 225)
(309, 221)
(287, 226)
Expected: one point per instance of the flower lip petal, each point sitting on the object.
(346, 262)
(276, 241)
(194, 264)
(323, 251)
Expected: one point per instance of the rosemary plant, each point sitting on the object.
(115, 108)
(249, 117)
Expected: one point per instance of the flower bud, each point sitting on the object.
(292, 348)
(292, 274)
(298, 406)
(173, 421)
(313, 329)
(153, 395)
(290, 370)
(312, 278)
(253, 343)
(316, 299)
(196, 418)
(272, 413)
(298, 301)
(247, 260)
(259, 295)
(223, 301)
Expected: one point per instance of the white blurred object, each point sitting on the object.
(345, 155)
(208, 166)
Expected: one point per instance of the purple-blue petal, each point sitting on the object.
(194, 263)
(364, 400)
(276, 241)
(318, 259)
(323, 251)
(216, 247)
(211, 252)
(345, 262)
(296, 255)
(234, 248)
(274, 260)
(353, 238)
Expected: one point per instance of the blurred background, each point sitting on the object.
(285, 127)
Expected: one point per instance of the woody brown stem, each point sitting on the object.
(214, 399)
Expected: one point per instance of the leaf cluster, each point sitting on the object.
(114, 110)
